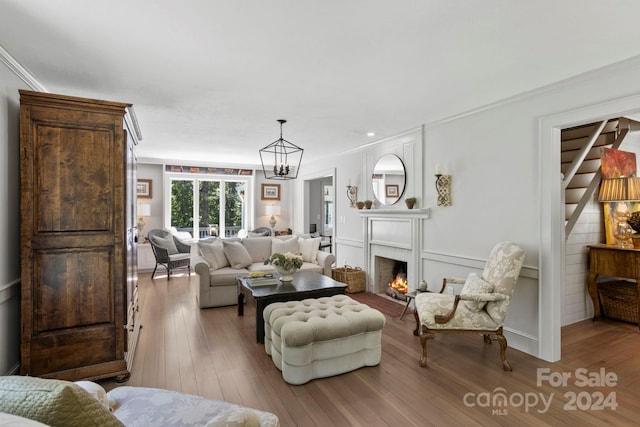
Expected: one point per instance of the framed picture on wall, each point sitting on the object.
(270, 192)
(391, 190)
(143, 189)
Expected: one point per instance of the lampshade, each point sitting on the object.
(623, 189)
(144, 209)
(272, 210)
(281, 159)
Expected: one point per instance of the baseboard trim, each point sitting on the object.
(522, 342)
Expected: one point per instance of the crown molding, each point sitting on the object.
(24, 74)
(132, 121)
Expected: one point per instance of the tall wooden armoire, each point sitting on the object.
(74, 188)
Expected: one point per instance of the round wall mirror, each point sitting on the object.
(388, 179)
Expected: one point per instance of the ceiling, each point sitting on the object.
(210, 78)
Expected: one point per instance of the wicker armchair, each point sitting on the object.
(169, 252)
(480, 308)
(265, 231)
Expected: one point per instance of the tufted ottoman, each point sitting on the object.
(317, 338)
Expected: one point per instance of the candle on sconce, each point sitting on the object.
(438, 170)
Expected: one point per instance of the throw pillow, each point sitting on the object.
(475, 285)
(279, 246)
(213, 253)
(53, 402)
(237, 254)
(96, 391)
(309, 249)
(166, 243)
(259, 248)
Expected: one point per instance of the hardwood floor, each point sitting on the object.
(213, 353)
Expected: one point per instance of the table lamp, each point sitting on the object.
(620, 190)
(272, 210)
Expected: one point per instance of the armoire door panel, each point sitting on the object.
(63, 350)
(73, 289)
(77, 178)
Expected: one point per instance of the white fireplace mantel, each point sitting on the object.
(413, 213)
(395, 234)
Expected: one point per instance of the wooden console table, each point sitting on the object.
(615, 261)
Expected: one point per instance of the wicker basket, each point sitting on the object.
(619, 299)
(353, 277)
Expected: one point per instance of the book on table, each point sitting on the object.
(262, 281)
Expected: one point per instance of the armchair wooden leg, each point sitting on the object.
(417, 331)
(503, 349)
(424, 337)
(487, 338)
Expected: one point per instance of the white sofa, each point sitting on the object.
(32, 401)
(220, 261)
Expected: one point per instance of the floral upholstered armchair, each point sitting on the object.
(481, 306)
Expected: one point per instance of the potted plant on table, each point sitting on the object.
(410, 202)
(286, 264)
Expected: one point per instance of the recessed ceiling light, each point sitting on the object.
(371, 134)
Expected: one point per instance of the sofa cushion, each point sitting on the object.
(309, 249)
(475, 285)
(279, 246)
(259, 248)
(166, 243)
(213, 253)
(52, 402)
(237, 254)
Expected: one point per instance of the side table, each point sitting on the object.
(612, 261)
(410, 297)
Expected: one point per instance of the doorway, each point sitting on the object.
(552, 264)
(319, 211)
(320, 214)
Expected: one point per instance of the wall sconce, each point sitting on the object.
(443, 187)
(144, 209)
(272, 210)
(352, 194)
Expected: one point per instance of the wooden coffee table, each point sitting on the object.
(305, 284)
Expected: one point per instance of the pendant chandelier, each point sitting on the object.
(281, 159)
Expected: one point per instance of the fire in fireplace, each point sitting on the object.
(398, 287)
(391, 277)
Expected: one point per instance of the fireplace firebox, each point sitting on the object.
(392, 277)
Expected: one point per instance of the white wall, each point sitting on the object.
(9, 220)
(589, 229)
